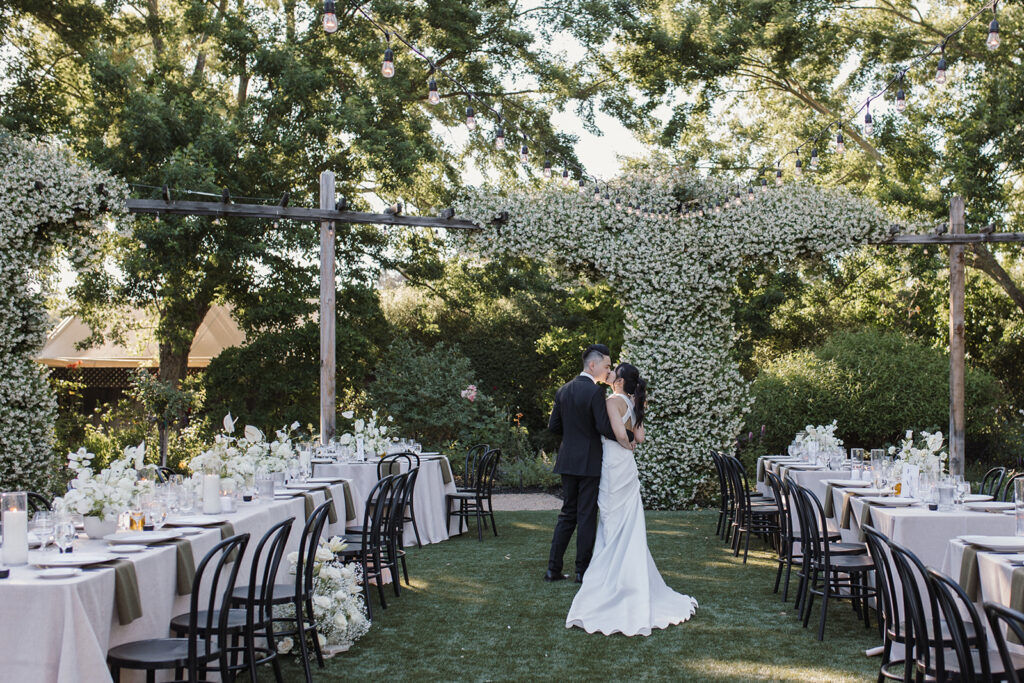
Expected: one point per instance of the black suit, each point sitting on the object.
(581, 417)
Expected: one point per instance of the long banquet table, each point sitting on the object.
(432, 485)
(59, 630)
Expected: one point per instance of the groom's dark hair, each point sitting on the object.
(593, 351)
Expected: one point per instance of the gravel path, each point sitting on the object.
(510, 502)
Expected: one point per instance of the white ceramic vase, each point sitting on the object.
(98, 528)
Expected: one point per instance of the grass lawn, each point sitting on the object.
(480, 612)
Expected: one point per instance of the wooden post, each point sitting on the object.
(956, 339)
(327, 292)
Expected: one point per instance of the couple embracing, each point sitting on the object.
(621, 591)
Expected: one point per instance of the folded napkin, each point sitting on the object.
(310, 503)
(332, 513)
(865, 515)
(186, 564)
(865, 520)
(126, 590)
(970, 580)
(446, 470)
(350, 504)
(227, 530)
(829, 505)
(1016, 598)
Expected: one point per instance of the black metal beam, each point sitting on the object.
(293, 213)
(970, 238)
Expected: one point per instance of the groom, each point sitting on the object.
(581, 418)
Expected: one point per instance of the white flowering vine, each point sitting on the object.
(674, 277)
(50, 206)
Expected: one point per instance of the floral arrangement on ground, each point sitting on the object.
(675, 277)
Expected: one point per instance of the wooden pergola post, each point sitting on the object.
(956, 339)
(327, 319)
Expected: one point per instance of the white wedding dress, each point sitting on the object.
(622, 591)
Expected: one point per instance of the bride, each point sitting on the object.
(622, 591)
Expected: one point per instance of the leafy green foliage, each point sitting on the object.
(876, 385)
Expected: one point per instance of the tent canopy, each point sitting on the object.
(217, 332)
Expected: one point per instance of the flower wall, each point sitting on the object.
(49, 204)
(674, 277)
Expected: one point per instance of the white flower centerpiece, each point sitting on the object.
(926, 452)
(373, 432)
(338, 606)
(100, 497)
(240, 458)
(823, 437)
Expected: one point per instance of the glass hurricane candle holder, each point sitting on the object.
(15, 521)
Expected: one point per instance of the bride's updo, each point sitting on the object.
(634, 385)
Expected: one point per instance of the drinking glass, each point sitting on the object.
(1018, 504)
(963, 488)
(156, 513)
(42, 526)
(64, 534)
(877, 454)
(946, 493)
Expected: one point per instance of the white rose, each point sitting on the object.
(348, 414)
(285, 645)
(359, 425)
(909, 435)
(340, 621)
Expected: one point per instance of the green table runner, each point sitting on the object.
(829, 506)
(1016, 598)
(332, 514)
(970, 580)
(126, 590)
(865, 515)
(186, 564)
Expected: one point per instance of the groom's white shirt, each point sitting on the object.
(587, 374)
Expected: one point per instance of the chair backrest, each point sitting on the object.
(723, 492)
(878, 548)
(472, 463)
(218, 588)
(266, 560)
(781, 501)
(813, 540)
(164, 473)
(1006, 494)
(308, 545)
(37, 502)
(394, 510)
(487, 469)
(954, 602)
(392, 463)
(992, 480)
(375, 512)
(913, 576)
(998, 616)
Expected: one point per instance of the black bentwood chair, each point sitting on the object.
(473, 456)
(37, 502)
(998, 617)
(369, 546)
(1006, 494)
(193, 653)
(471, 503)
(753, 515)
(723, 495)
(257, 614)
(992, 480)
(299, 594)
(412, 461)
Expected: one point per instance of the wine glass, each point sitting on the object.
(64, 534)
(156, 513)
(42, 527)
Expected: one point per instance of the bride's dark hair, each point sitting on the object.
(636, 386)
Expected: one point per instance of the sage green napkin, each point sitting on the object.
(970, 581)
(310, 503)
(1016, 598)
(186, 564)
(350, 505)
(829, 505)
(126, 590)
(446, 471)
(865, 520)
(332, 514)
(227, 530)
(844, 521)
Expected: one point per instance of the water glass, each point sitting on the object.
(1018, 504)
(64, 534)
(42, 526)
(947, 491)
(156, 513)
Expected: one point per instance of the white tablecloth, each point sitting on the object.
(60, 630)
(430, 501)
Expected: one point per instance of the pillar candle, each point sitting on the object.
(15, 537)
(211, 494)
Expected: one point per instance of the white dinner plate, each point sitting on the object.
(44, 559)
(194, 520)
(989, 506)
(285, 495)
(848, 483)
(891, 502)
(122, 548)
(189, 530)
(803, 466)
(299, 486)
(326, 480)
(870, 492)
(429, 453)
(322, 461)
(977, 497)
(141, 537)
(997, 543)
(58, 573)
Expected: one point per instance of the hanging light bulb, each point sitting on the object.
(618, 203)
(901, 101)
(524, 154)
(565, 175)
(387, 69)
(700, 211)
(840, 143)
(718, 207)
(499, 138)
(736, 199)
(764, 185)
(869, 124)
(583, 185)
(992, 42)
(750, 192)
(330, 18)
(432, 95)
(940, 71)
(778, 176)
(799, 168)
(597, 192)
(630, 209)
(814, 159)
(547, 168)
(470, 118)
(606, 199)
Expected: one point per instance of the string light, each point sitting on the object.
(764, 185)
(799, 167)
(814, 159)
(470, 118)
(432, 95)
(565, 175)
(750, 192)
(992, 42)
(387, 69)
(718, 207)
(901, 101)
(597, 191)
(330, 18)
(618, 203)
(583, 185)
(940, 71)
(606, 199)
(869, 124)
(499, 136)
(524, 154)
(778, 176)
(547, 167)
(840, 143)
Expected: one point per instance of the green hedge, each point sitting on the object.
(876, 385)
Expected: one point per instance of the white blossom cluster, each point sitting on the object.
(338, 606)
(372, 432)
(927, 452)
(240, 458)
(675, 277)
(50, 205)
(109, 492)
(823, 435)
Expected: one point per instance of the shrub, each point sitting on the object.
(876, 385)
